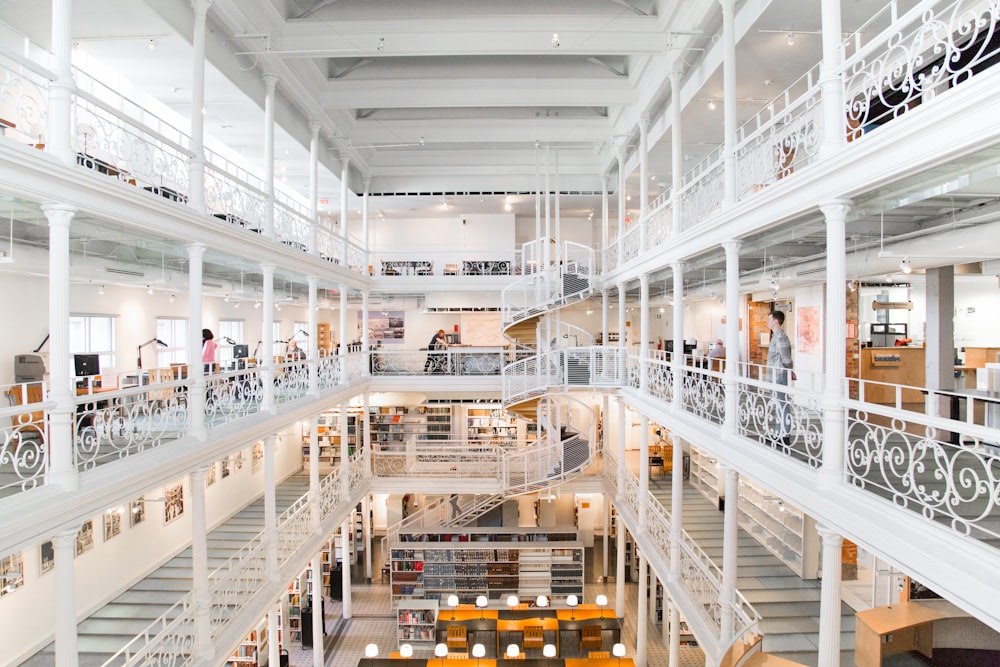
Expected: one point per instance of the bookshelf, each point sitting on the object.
(490, 426)
(416, 621)
(253, 646)
(781, 528)
(492, 562)
(328, 428)
(292, 627)
(439, 422)
(324, 342)
(705, 475)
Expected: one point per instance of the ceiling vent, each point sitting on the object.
(124, 272)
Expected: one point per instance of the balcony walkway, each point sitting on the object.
(118, 622)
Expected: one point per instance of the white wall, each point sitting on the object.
(105, 571)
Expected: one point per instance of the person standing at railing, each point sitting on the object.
(436, 362)
(779, 367)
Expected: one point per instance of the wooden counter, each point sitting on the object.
(899, 628)
(893, 365)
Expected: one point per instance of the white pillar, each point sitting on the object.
(644, 333)
(730, 537)
(313, 338)
(555, 198)
(271, 508)
(622, 342)
(64, 552)
(342, 349)
(318, 622)
(204, 648)
(273, 657)
(676, 510)
(940, 353)
(676, 152)
(270, 85)
(643, 472)
(366, 528)
(731, 424)
(196, 190)
(642, 619)
(365, 341)
(830, 603)
(834, 416)
(729, 102)
(677, 357)
(266, 365)
(196, 369)
(345, 532)
(365, 202)
(314, 127)
(548, 213)
(61, 470)
(605, 224)
(314, 477)
(604, 317)
(674, 650)
(345, 166)
(59, 140)
(621, 206)
(620, 570)
(834, 123)
(643, 183)
(622, 474)
(605, 556)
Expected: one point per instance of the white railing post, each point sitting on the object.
(267, 372)
(677, 356)
(676, 153)
(729, 102)
(313, 317)
(197, 370)
(314, 128)
(830, 600)
(204, 648)
(196, 187)
(644, 333)
(66, 638)
(62, 87)
(732, 356)
(270, 84)
(643, 184)
(831, 83)
(834, 425)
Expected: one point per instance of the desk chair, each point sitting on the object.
(458, 656)
(457, 637)
(590, 637)
(534, 637)
(31, 423)
(598, 654)
(466, 607)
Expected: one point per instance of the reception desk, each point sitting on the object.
(899, 628)
(893, 365)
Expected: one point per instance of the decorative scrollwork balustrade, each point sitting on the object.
(704, 394)
(702, 193)
(24, 93)
(24, 446)
(786, 419)
(946, 471)
(168, 641)
(660, 379)
(292, 225)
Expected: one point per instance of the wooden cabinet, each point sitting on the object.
(416, 621)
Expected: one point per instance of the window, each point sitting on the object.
(301, 337)
(276, 332)
(233, 330)
(93, 334)
(173, 332)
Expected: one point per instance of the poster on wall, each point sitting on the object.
(174, 505)
(385, 327)
(807, 326)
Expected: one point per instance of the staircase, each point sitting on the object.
(788, 605)
(110, 628)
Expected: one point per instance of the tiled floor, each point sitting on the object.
(373, 622)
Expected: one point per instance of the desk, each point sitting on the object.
(550, 624)
(491, 662)
(608, 623)
(599, 662)
(898, 628)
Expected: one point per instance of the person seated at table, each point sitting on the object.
(436, 362)
(719, 351)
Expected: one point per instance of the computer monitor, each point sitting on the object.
(453, 338)
(241, 351)
(85, 365)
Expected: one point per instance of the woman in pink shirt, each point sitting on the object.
(208, 347)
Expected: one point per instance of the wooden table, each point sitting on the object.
(898, 628)
(599, 662)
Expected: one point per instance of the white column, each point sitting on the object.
(314, 127)
(365, 202)
(604, 317)
(59, 140)
(729, 102)
(621, 205)
(620, 570)
(271, 508)
(313, 339)
(365, 342)
(644, 333)
(345, 532)
(64, 552)
(834, 122)
(730, 536)
(366, 528)
(314, 477)
(555, 198)
(266, 364)
(731, 424)
(605, 224)
(674, 650)
(643, 183)
(834, 416)
(677, 358)
(940, 353)
(830, 603)
(196, 369)
(196, 190)
(345, 477)
(61, 470)
(622, 343)
(270, 85)
(605, 556)
(676, 510)
(547, 252)
(342, 349)
(643, 472)
(345, 166)
(676, 152)
(622, 474)
(366, 430)
(273, 657)
(318, 622)
(204, 648)
(642, 619)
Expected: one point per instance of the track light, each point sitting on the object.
(149, 289)
(791, 39)
(555, 40)
(100, 289)
(152, 44)
(711, 105)
(904, 266)
(851, 286)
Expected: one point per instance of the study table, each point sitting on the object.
(899, 628)
(493, 662)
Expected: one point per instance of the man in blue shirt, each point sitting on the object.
(779, 364)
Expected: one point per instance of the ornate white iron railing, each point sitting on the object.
(24, 93)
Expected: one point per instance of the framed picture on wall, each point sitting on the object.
(226, 468)
(112, 523)
(238, 458)
(256, 457)
(211, 475)
(174, 505)
(85, 538)
(137, 511)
